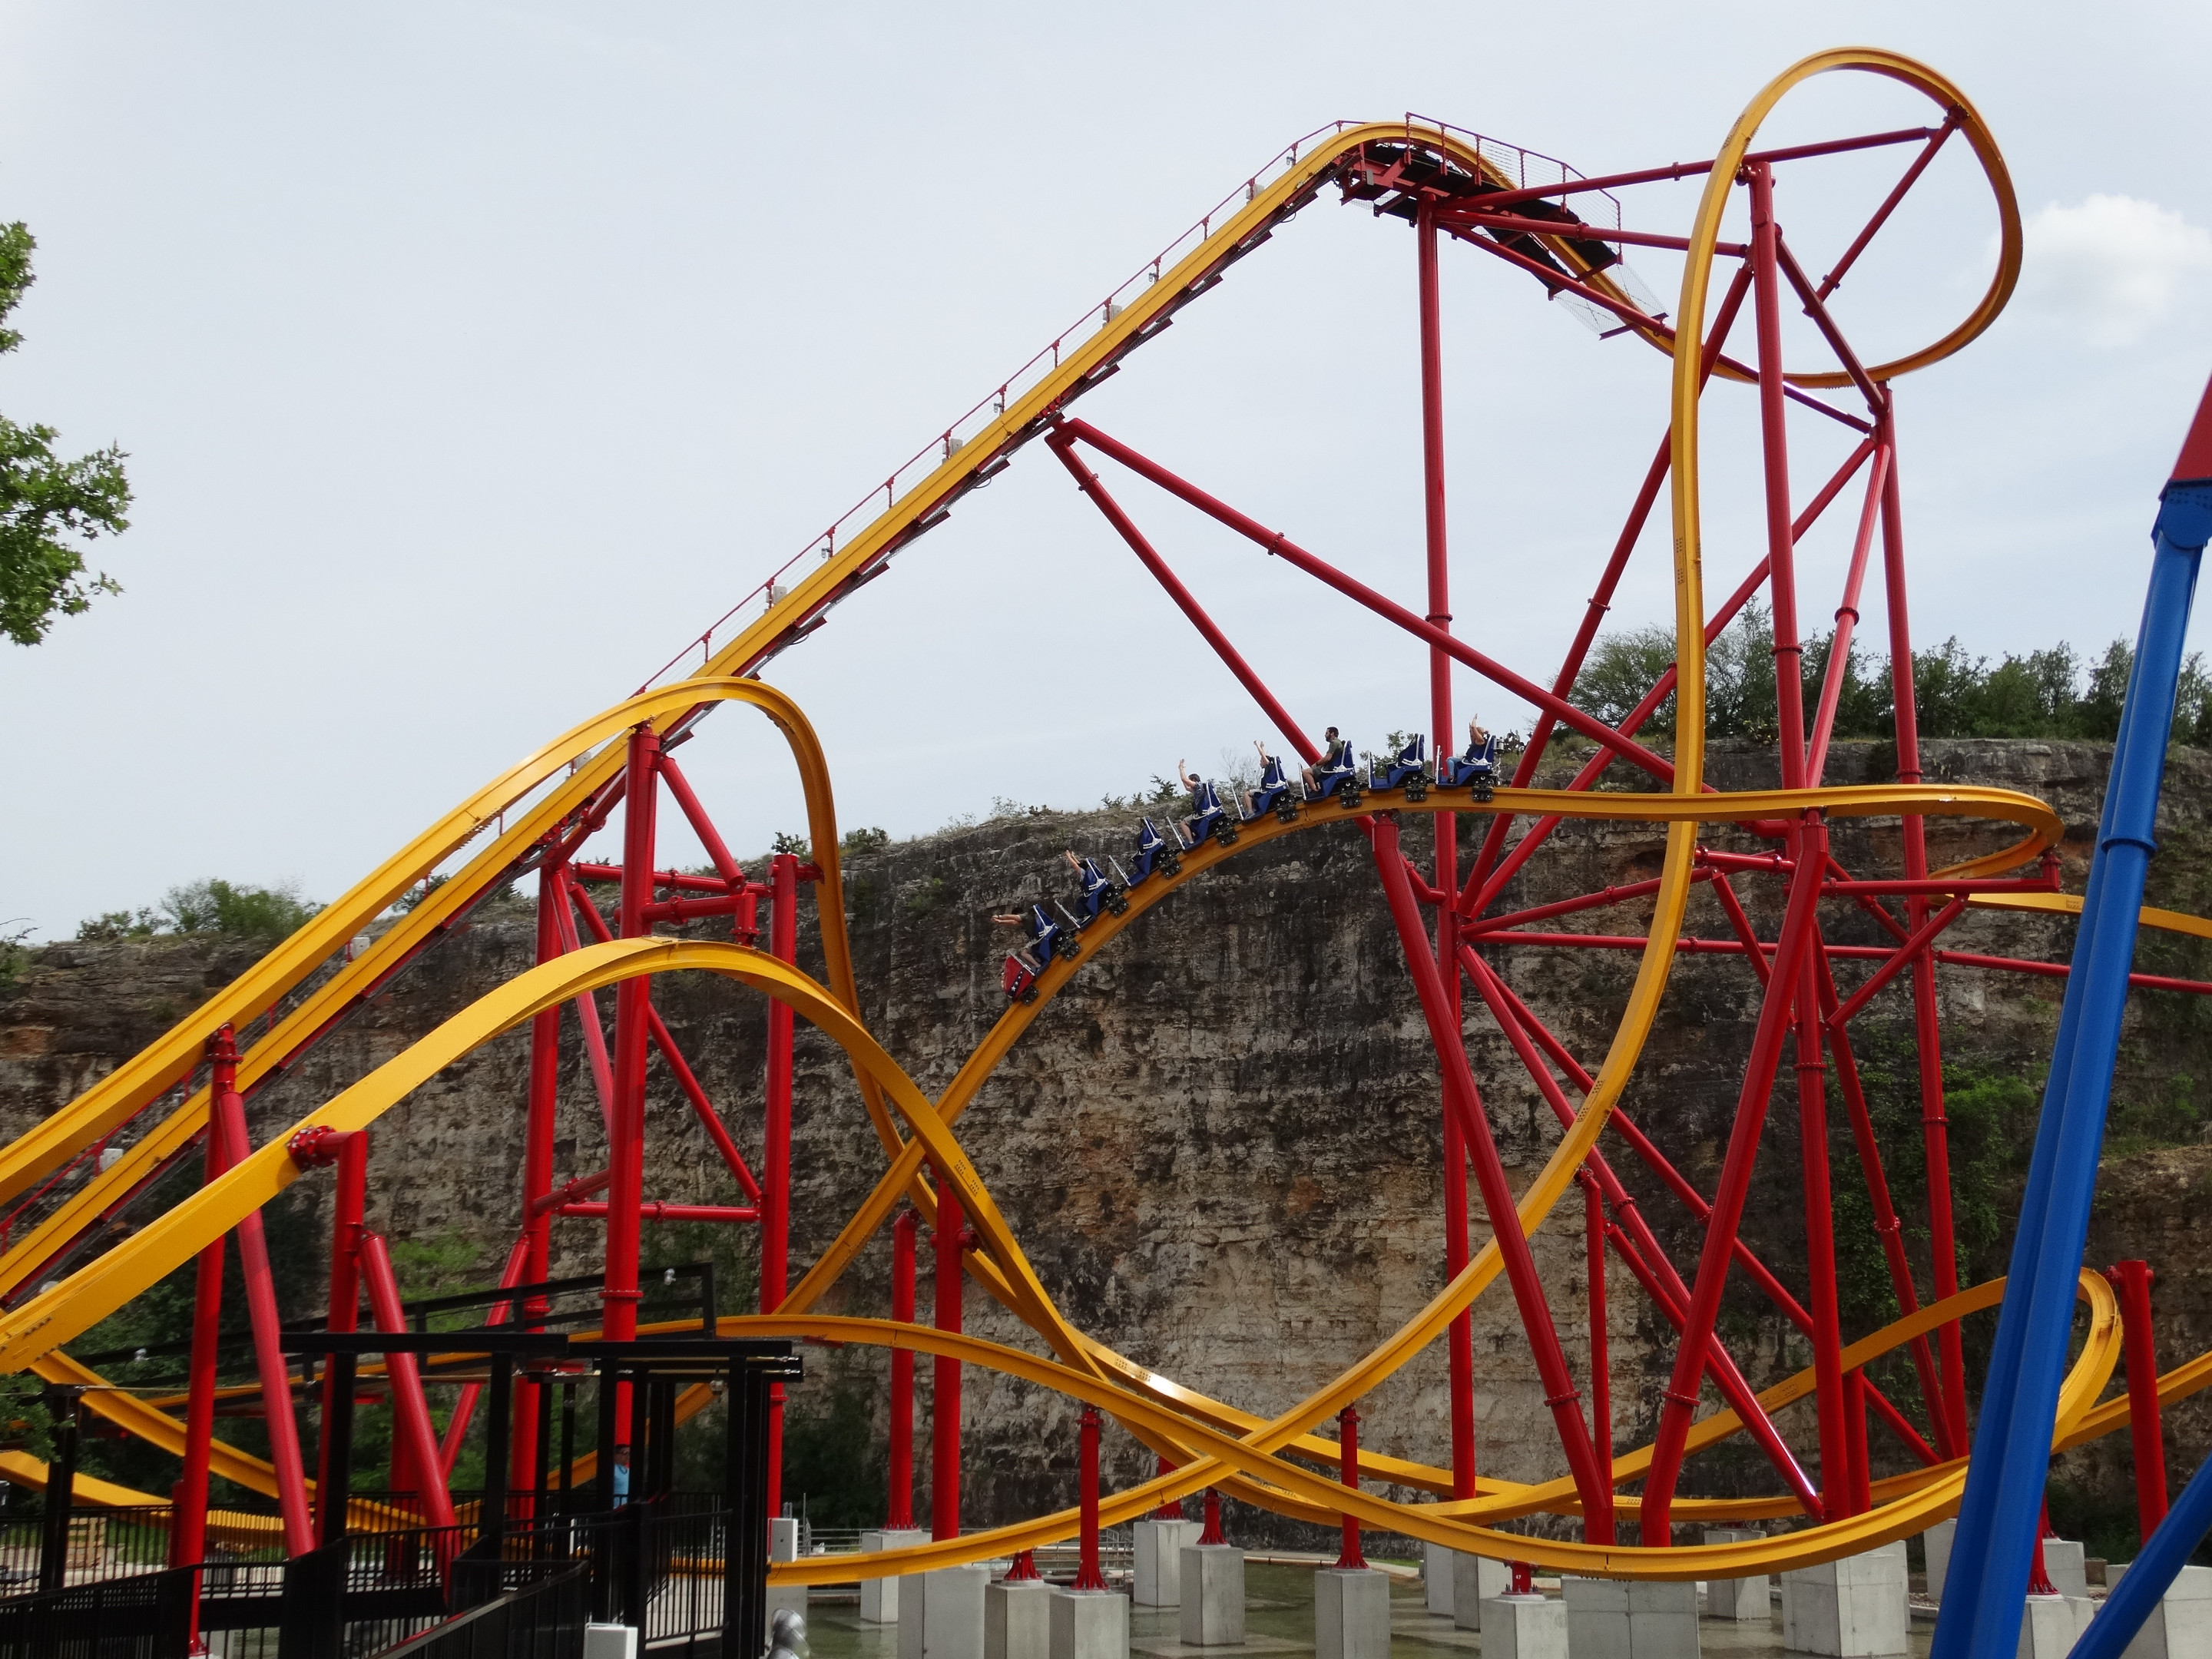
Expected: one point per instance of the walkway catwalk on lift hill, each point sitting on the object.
(1448, 835)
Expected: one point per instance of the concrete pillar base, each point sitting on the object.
(1854, 1608)
(1018, 1620)
(2049, 1625)
(1524, 1627)
(1743, 1600)
(941, 1614)
(1158, 1580)
(1436, 1577)
(1089, 1625)
(1937, 1542)
(609, 1642)
(1476, 1579)
(783, 1546)
(1352, 1614)
(1212, 1596)
(2180, 1626)
(2064, 1558)
(1620, 1618)
(880, 1597)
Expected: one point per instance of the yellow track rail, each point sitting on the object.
(1217, 1444)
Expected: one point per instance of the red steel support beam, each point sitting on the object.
(228, 1118)
(1667, 1290)
(465, 1406)
(1462, 1096)
(1600, 1364)
(348, 1201)
(1928, 1041)
(1089, 1575)
(1835, 276)
(626, 1154)
(1819, 1215)
(1348, 1553)
(1279, 546)
(945, 1396)
(1063, 445)
(653, 1209)
(1888, 1229)
(1459, 1337)
(1847, 621)
(188, 1539)
(2147, 1436)
(539, 1132)
(586, 1003)
(1902, 957)
(410, 1411)
(899, 1508)
(1680, 1403)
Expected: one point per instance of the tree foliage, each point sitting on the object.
(270, 913)
(49, 507)
(2051, 693)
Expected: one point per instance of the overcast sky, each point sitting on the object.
(470, 358)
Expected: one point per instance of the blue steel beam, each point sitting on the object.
(1986, 1587)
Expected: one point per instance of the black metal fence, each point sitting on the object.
(142, 1617)
(544, 1621)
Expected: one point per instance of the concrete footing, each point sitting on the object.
(1352, 1614)
(1089, 1625)
(783, 1546)
(1018, 1620)
(1524, 1627)
(2049, 1625)
(941, 1614)
(1476, 1579)
(2065, 1560)
(1212, 1596)
(1936, 1540)
(880, 1597)
(1620, 1618)
(1854, 1608)
(2180, 1626)
(1743, 1600)
(1157, 1580)
(1436, 1577)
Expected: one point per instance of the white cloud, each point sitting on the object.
(2110, 268)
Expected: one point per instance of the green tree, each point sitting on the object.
(49, 507)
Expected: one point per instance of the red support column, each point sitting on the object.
(1600, 1369)
(1170, 1508)
(1951, 1435)
(1679, 1402)
(626, 1156)
(1348, 1467)
(1836, 1462)
(348, 1203)
(228, 1118)
(188, 1536)
(1088, 1574)
(410, 1411)
(899, 1507)
(537, 1139)
(775, 1158)
(2147, 1436)
(945, 1400)
(1459, 1338)
(1211, 1532)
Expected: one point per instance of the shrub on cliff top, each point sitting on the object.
(209, 907)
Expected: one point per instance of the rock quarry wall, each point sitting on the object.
(1221, 1147)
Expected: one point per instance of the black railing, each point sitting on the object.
(544, 1621)
(142, 1617)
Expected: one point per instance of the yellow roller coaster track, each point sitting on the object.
(1213, 1443)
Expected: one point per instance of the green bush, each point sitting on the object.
(208, 907)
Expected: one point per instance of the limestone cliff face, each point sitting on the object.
(1221, 1147)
